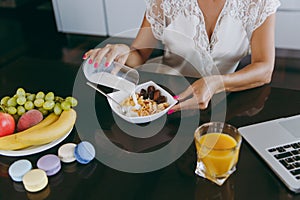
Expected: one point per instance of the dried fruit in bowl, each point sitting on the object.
(150, 100)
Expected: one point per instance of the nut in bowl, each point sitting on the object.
(153, 110)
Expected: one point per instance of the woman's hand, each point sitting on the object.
(200, 93)
(112, 52)
(133, 56)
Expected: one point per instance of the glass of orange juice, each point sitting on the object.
(218, 145)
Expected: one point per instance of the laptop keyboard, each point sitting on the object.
(289, 156)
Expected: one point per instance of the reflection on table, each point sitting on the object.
(252, 180)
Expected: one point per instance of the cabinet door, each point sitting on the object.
(287, 31)
(78, 16)
(289, 5)
(124, 17)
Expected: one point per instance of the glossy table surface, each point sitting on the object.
(175, 180)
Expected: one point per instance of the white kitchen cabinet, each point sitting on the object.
(287, 31)
(289, 5)
(124, 17)
(80, 17)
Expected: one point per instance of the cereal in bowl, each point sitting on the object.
(151, 101)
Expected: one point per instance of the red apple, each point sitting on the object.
(7, 124)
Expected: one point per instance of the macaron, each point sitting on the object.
(50, 163)
(18, 169)
(66, 152)
(84, 152)
(35, 180)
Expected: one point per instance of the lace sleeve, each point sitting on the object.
(258, 12)
(155, 16)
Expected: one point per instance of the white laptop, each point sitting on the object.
(278, 143)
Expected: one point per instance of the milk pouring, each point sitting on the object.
(116, 76)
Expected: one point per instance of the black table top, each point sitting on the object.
(125, 174)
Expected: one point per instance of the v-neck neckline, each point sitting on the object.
(211, 38)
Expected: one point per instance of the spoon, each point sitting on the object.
(123, 110)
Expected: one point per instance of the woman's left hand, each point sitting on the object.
(200, 93)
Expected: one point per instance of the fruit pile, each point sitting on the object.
(35, 119)
(21, 102)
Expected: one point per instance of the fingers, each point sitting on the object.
(95, 55)
(116, 52)
(121, 59)
(113, 55)
(87, 54)
(189, 104)
(98, 57)
(188, 92)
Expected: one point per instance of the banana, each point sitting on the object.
(52, 132)
(10, 142)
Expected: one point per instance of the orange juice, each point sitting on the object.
(218, 152)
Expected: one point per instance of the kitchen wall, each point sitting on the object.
(122, 18)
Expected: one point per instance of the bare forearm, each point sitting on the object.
(142, 46)
(251, 76)
(135, 58)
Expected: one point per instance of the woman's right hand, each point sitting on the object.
(112, 52)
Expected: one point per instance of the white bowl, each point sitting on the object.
(120, 96)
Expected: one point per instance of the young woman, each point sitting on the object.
(225, 30)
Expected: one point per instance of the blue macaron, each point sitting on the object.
(18, 169)
(84, 152)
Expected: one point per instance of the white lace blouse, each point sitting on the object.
(180, 25)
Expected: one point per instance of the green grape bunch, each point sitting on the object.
(45, 102)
